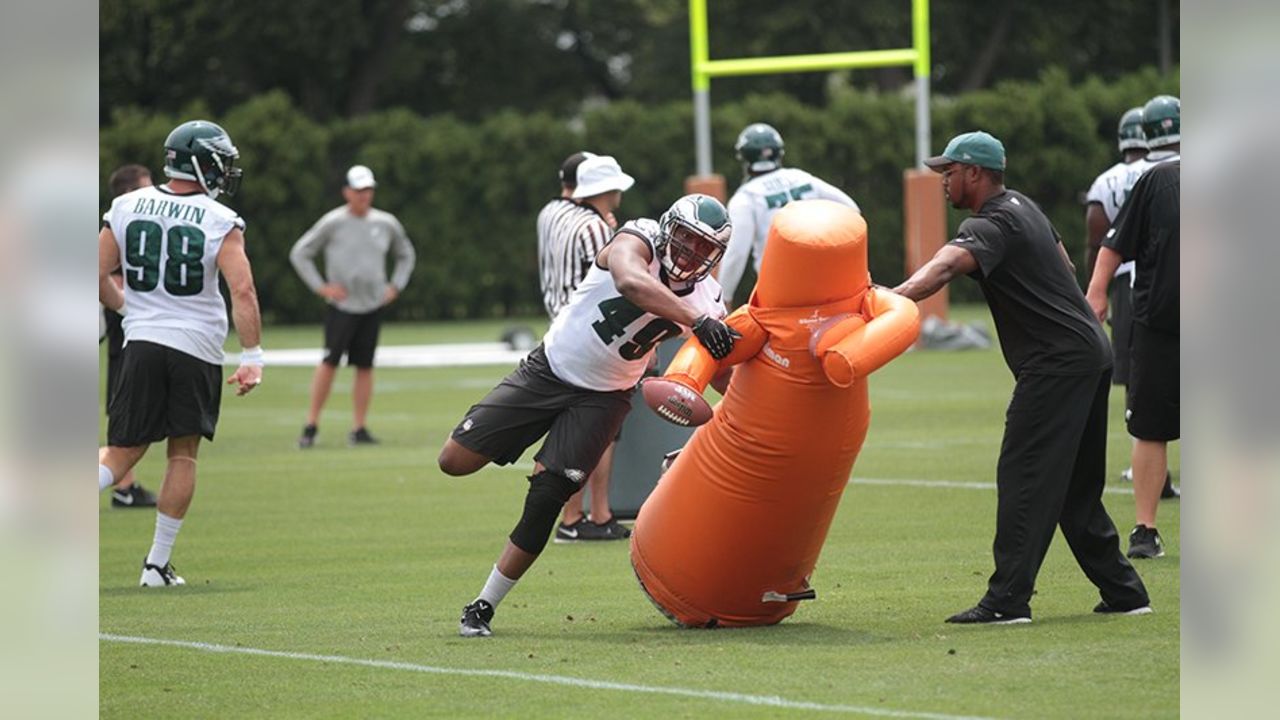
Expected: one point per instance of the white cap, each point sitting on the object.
(360, 177)
(601, 174)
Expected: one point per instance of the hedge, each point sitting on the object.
(468, 193)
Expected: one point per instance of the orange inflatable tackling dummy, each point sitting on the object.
(733, 530)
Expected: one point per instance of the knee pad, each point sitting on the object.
(548, 493)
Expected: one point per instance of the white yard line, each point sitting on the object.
(891, 482)
(714, 695)
(439, 355)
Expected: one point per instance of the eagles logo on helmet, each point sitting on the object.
(693, 235)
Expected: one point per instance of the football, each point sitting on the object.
(675, 403)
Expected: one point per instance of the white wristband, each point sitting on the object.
(252, 356)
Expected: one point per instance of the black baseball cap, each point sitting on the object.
(569, 168)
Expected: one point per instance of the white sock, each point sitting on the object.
(162, 546)
(105, 478)
(496, 587)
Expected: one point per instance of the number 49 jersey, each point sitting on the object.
(601, 341)
(169, 247)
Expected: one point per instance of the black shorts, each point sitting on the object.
(532, 402)
(162, 393)
(353, 335)
(1153, 399)
(1121, 326)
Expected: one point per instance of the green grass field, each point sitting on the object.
(350, 566)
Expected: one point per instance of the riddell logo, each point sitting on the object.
(774, 356)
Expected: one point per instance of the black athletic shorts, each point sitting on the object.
(1121, 327)
(1153, 399)
(353, 335)
(162, 393)
(532, 402)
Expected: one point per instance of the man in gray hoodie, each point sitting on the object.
(355, 240)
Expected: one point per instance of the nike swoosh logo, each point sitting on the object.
(569, 533)
(123, 499)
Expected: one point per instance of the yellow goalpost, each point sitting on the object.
(925, 221)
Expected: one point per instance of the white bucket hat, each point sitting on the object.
(360, 177)
(601, 174)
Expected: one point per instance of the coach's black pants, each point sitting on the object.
(1052, 469)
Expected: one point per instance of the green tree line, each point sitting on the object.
(468, 191)
(345, 58)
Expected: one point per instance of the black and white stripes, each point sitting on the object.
(569, 237)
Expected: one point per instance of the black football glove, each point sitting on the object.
(715, 336)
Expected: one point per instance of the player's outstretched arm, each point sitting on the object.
(233, 263)
(627, 258)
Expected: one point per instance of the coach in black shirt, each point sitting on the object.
(1052, 465)
(1147, 232)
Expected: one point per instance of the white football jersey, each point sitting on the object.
(169, 247)
(1110, 190)
(751, 211)
(601, 341)
(1112, 187)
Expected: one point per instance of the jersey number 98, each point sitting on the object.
(184, 261)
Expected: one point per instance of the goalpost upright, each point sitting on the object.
(925, 217)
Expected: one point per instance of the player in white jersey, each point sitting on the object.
(767, 187)
(172, 242)
(1103, 202)
(651, 282)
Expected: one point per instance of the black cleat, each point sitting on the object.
(475, 620)
(611, 530)
(1103, 608)
(571, 532)
(1145, 543)
(307, 438)
(978, 615)
(134, 496)
(585, 530)
(361, 437)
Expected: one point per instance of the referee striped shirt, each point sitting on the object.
(569, 238)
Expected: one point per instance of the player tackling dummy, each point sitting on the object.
(732, 532)
(651, 282)
(172, 241)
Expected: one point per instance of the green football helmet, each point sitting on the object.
(201, 151)
(1130, 134)
(760, 148)
(1162, 121)
(693, 236)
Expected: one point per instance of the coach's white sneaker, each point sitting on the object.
(153, 576)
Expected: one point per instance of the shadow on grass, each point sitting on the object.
(785, 634)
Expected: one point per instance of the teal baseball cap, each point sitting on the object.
(971, 148)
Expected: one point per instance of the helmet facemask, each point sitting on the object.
(222, 175)
(689, 253)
